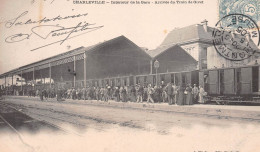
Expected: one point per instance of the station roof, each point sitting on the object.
(188, 33)
(80, 50)
(177, 52)
(197, 32)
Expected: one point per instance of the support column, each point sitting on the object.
(50, 73)
(85, 70)
(5, 81)
(74, 76)
(5, 86)
(12, 80)
(12, 86)
(174, 78)
(151, 67)
(22, 81)
(33, 79)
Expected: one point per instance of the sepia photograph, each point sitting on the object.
(129, 75)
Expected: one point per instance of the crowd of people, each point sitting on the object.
(169, 93)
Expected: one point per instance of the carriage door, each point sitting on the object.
(244, 85)
(194, 78)
(255, 78)
(229, 85)
(213, 82)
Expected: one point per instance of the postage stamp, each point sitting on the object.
(236, 37)
(251, 8)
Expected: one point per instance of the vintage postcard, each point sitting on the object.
(129, 75)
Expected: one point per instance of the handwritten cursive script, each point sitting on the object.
(17, 21)
(54, 31)
(51, 1)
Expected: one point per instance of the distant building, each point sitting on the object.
(197, 40)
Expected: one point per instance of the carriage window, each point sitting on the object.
(205, 78)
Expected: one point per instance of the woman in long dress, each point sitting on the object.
(201, 95)
(189, 95)
(133, 94)
(181, 95)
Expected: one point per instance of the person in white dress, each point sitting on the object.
(201, 95)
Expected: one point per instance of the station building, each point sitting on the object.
(197, 40)
(184, 49)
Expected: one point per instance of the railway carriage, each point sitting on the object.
(232, 84)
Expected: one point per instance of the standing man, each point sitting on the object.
(105, 94)
(120, 93)
(117, 94)
(133, 94)
(97, 91)
(140, 93)
(195, 92)
(41, 94)
(123, 92)
(73, 94)
(175, 92)
(169, 91)
(150, 92)
(102, 93)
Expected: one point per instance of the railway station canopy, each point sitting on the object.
(113, 58)
(172, 58)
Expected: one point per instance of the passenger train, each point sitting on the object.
(223, 85)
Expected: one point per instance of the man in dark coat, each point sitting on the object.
(169, 91)
(133, 94)
(117, 94)
(73, 94)
(41, 94)
(123, 93)
(140, 93)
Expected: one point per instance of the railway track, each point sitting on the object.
(18, 120)
(67, 114)
(132, 108)
(14, 130)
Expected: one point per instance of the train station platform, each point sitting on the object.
(246, 112)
